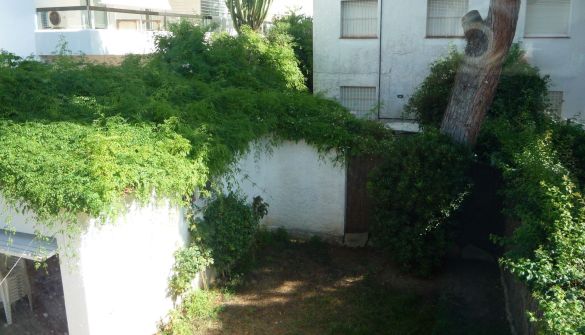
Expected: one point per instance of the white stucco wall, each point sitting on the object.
(407, 53)
(115, 275)
(17, 26)
(96, 42)
(306, 192)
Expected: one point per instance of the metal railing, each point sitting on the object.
(99, 17)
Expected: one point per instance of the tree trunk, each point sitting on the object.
(488, 43)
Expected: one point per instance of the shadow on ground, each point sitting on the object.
(47, 316)
(304, 289)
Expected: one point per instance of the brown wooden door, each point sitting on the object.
(358, 205)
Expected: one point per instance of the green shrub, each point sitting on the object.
(198, 312)
(188, 262)
(543, 162)
(79, 137)
(300, 28)
(419, 184)
(228, 230)
(429, 102)
(522, 90)
(548, 249)
(248, 60)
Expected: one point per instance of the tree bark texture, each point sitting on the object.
(488, 43)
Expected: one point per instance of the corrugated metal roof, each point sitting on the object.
(27, 245)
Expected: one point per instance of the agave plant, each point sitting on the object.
(251, 13)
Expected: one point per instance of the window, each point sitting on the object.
(359, 100)
(555, 101)
(547, 18)
(127, 24)
(444, 17)
(359, 19)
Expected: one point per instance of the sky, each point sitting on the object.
(281, 6)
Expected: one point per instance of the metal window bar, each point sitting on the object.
(213, 8)
(359, 19)
(555, 103)
(359, 100)
(166, 16)
(547, 18)
(444, 17)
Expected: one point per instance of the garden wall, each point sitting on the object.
(115, 275)
(306, 192)
(518, 301)
(518, 297)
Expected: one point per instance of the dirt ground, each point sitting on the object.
(48, 313)
(323, 289)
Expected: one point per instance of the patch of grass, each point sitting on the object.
(196, 315)
(451, 320)
(371, 308)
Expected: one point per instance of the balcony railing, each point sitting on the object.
(99, 17)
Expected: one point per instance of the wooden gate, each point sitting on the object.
(358, 205)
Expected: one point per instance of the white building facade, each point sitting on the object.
(372, 54)
(109, 27)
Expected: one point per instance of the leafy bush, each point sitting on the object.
(419, 184)
(188, 262)
(548, 249)
(543, 162)
(300, 28)
(197, 312)
(521, 90)
(228, 230)
(79, 137)
(248, 60)
(429, 102)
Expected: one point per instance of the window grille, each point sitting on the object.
(547, 18)
(359, 100)
(359, 19)
(213, 8)
(444, 17)
(555, 101)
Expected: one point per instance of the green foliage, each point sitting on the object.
(429, 102)
(86, 168)
(419, 184)
(521, 89)
(248, 60)
(300, 27)
(251, 13)
(198, 312)
(547, 251)
(79, 137)
(228, 230)
(543, 161)
(188, 262)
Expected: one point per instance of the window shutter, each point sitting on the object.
(444, 17)
(359, 18)
(547, 17)
(359, 100)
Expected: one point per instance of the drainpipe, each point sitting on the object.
(380, 61)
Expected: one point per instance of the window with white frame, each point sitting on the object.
(359, 18)
(444, 17)
(555, 103)
(360, 100)
(547, 18)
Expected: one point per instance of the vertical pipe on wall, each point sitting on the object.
(88, 8)
(380, 60)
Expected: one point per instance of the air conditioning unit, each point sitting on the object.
(51, 20)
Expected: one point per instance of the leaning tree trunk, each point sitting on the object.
(488, 43)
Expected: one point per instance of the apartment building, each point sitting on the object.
(108, 28)
(372, 54)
